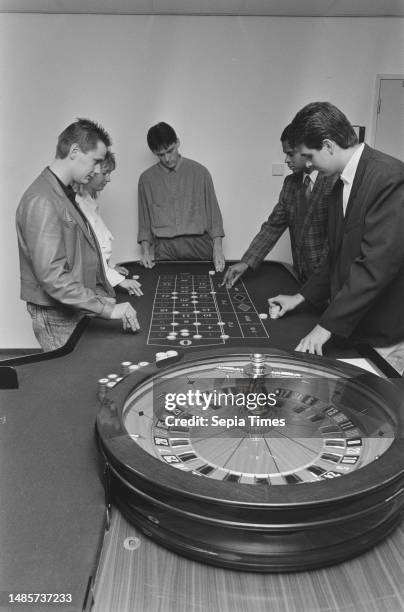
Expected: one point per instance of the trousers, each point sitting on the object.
(190, 247)
(52, 326)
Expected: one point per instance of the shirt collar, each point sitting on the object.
(90, 202)
(348, 173)
(312, 176)
(68, 189)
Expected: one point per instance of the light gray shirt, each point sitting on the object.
(179, 202)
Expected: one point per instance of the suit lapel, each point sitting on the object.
(72, 211)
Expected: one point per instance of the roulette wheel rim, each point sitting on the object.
(361, 507)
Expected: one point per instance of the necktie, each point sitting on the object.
(338, 191)
(307, 188)
(303, 207)
(338, 212)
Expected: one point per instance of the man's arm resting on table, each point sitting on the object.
(233, 273)
(218, 257)
(146, 257)
(128, 316)
(261, 244)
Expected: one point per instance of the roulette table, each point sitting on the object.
(311, 477)
(54, 510)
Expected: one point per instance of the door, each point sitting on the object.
(389, 131)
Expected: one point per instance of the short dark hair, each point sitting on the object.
(109, 161)
(85, 133)
(285, 136)
(320, 120)
(161, 136)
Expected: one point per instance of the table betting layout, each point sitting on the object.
(195, 309)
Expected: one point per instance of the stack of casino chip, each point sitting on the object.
(274, 311)
(125, 367)
(102, 388)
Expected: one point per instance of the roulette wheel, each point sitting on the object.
(256, 459)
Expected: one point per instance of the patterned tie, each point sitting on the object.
(307, 187)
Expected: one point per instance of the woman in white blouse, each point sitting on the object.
(86, 198)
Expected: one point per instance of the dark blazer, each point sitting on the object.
(364, 272)
(60, 260)
(307, 224)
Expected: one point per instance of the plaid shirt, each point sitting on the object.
(307, 223)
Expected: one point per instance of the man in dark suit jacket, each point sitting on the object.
(303, 209)
(363, 275)
(62, 274)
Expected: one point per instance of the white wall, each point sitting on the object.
(228, 85)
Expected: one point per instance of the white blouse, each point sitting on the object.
(91, 210)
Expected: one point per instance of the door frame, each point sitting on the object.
(380, 77)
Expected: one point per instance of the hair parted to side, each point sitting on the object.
(161, 136)
(85, 133)
(318, 121)
(285, 136)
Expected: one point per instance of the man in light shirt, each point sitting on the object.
(302, 209)
(87, 200)
(363, 275)
(179, 215)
